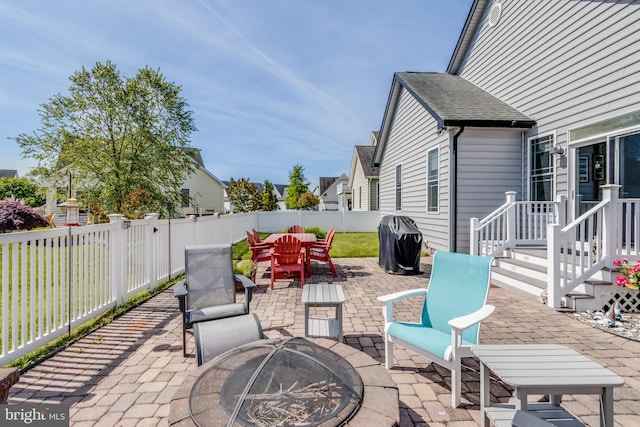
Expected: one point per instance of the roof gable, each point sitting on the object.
(465, 40)
(8, 173)
(365, 157)
(206, 172)
(452, 101)
(326, 182)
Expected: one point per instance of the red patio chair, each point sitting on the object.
(256, 236)
(320, 252)
(296, 229)
(287, 257)
(322, 242)
(259, 252)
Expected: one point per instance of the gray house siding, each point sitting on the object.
(373, 195)
(359, 189)
(489, 164)
(564, 63)
(412, 134)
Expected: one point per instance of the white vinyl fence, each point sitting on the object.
(55, 280)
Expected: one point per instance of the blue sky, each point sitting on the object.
(272, 83)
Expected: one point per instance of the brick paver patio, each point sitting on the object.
(126, 373)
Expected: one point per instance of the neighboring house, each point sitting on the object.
(9, 173)
(328, 192)
(363, 178)
(541, 99)
(279, 190)
(203, 192)
(281, 193)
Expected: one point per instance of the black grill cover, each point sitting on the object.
(400, 245)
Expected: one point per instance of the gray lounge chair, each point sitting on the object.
(208, 296)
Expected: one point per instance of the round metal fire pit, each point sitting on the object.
(289, 382)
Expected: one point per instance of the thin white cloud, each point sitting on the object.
(280, 69)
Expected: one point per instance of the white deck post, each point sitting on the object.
(474, 238)
(610, 220)
(561, 201)
(554, 295)
(511, 219)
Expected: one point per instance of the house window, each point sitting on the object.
(185, 197)
(359, 198)
(432, 180)
(583, 168)
(541, 169)
(399, 187)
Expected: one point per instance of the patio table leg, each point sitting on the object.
(485, 395)
(606, 407)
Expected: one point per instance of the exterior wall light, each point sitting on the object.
(558, 150)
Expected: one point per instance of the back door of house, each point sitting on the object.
(614, 159)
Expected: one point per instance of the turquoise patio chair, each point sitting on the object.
(454, 305)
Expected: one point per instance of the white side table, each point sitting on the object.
(315, 295)
(542, 369)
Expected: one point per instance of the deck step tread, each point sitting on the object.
(523, 264)
(520, 277)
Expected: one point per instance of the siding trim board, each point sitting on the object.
(473, 21)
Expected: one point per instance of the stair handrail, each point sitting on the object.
(513, 223)
(491, 235)
(581, 248)
(494, 215)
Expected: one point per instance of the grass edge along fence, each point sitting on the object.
(29, 360)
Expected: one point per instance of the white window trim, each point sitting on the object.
(554, 176)
(437, 211)
(188, 197)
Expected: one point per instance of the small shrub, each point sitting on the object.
(246, 267)
(15, 216)
(137, 204)
(320, 233)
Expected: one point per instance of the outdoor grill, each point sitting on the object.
(284, 382)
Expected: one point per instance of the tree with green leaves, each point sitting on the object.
(298, 185)
(243, 195)
(23, 189)
(268, 198)
(308, 200)
(116, 135)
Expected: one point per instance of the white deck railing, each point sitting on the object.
(576, 252)
(609, 230)
(54, 280)
(514, 223)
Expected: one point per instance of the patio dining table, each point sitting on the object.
(306, 239)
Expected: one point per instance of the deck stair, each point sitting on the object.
(523, 270)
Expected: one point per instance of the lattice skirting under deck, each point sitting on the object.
(629, 302)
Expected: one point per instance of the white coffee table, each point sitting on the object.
(315, 295)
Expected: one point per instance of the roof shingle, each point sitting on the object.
(454, 101)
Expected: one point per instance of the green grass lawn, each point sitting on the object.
(354, 245)
(345, 245)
